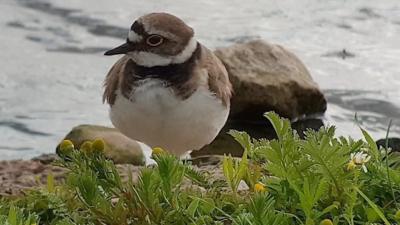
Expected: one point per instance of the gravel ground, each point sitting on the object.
(19, 175)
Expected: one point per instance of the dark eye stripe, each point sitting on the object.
(138, 28)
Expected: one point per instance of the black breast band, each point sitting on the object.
(173, 74)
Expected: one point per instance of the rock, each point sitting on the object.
(242, 186)
(222, 144)
(226, 144)
(119, 148)
(393, 143)
(303, 125)
(267, 77)
(46, 158)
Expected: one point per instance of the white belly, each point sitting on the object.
(158, 118)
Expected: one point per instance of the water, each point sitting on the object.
(52, 66)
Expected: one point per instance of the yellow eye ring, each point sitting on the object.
(154, 40)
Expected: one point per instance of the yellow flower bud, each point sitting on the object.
(259, 187)
(66, 146)
(351, 165)
(372, 216)
(158, 151)
(98, 146)
(86, 147)
(326, 222)
(397, 215)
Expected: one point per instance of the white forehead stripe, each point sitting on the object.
(134, 37)
(149, 59)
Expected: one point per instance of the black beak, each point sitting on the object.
(122, 49)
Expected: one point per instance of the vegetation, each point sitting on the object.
(321, 179)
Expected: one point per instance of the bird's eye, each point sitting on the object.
(154, 40)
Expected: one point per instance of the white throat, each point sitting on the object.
(149, 59)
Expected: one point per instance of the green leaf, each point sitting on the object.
(242, 138)
(328, 209)
(12, 216)
(228, 170)
(243, 165)
(50, 183)
(373, 206)
(281, 126)
(372, 216)
(207, 206)
(372, 145)
(191, 210)
(197, 177)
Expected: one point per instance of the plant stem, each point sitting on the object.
(387, 164)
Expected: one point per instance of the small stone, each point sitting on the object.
(45, 158)
(117, 147)
(242, 186)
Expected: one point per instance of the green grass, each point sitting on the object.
(291, 181)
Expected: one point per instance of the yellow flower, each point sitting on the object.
(86, 147)
(66, 145)
(157, 151)
(351, 165)
(326, 222)
(98, 146)
(259, 187)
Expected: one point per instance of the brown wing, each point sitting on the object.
(115, 79)
(218, 80)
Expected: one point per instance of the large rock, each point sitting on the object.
(226, 144)
(393, 143)
(267, 77)
(119, 148)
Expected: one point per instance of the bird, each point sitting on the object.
(167, 90)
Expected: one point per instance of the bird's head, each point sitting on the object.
(158, 39)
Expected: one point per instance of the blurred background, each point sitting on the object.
(52, 63)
